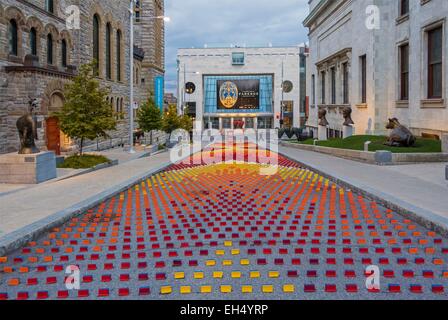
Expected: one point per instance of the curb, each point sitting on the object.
(421, 216)
(19, 238)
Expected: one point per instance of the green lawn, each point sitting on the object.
(85, 161)
(357, 143)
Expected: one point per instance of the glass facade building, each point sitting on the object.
(211, 87)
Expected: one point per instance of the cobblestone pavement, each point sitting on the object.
(224, 231)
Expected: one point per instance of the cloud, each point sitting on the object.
(195, 23)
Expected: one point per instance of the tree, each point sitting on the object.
(149, 117)
(86, 113)
(171, 121)
(186, 122)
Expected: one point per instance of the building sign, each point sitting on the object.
(238, 94)
(159, 91)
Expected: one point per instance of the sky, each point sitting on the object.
(195, 23)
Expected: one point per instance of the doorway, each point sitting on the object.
(53, 135)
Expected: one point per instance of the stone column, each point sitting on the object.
(322, 133)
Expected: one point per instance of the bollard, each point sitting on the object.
(366, 145)
(446, 172)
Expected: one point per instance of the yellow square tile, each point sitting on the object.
(210, 263)
(274, 274)
(166, 290)
(185, 290)
(227, 263)
(199, 275)
(235, 252)
(244, 262)
(268, 289)
(220, 252)
(247, 289)
(226, 289)
(218, 274)
(206, 289)
(179, 275)
(228, 243)
(236, 274)
(255, 274)
(289, 288)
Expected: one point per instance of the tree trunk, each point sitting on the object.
(81, 146)
(150, 137)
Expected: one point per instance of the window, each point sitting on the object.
(13, 38)
(49, 6)
(435, 63)
(138, 9)
(363, 67)
(96, 43)
(64, 53)
(33, 41)
(404, 7)
(49, 49)
(118, 52)
(333, 85)
(108, 51)
(404, 72)
(322, 86)
(238, 58)
(313, 88)
(345, 90)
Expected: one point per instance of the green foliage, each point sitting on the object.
(83, 162)
(186, 122)
(357, 143)
(149, 117)
(171, 120)
(86, 114)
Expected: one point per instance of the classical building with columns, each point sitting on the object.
(382, 58)
(40, 53)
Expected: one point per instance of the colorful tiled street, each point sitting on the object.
(224, 231)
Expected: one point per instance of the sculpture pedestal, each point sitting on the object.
(445, 143)
(27, 168)
(322, 133)
(347, 131)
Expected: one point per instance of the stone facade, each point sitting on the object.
(22, 78)
(279, 63)
(342, 32)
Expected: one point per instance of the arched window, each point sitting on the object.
(108, 51)
(49, 5)
(33, 41)
(49, 49)
(64, 53)
(13, 38)
(96, 42)
(118, 51)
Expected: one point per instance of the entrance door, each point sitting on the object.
(53, 135)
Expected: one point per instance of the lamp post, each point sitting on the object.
(131, 72)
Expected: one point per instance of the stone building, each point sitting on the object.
(263, 82)
(40, 53)
(382, 58)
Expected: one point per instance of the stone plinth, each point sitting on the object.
(322, 133)
(445, 143)
(27, 168)
(347, 131)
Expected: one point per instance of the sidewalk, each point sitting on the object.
(112, 154)
(419, 191)
(28, 212)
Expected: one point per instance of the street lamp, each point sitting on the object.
(131, 72)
